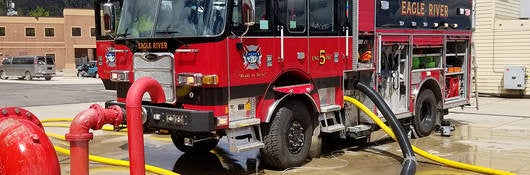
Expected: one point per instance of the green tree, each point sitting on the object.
(3, 8)
(39, 12)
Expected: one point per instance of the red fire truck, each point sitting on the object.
(105, 38)
(271, 75)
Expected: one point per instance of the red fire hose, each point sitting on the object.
(134, 119)
(25, 147)
(93, 118)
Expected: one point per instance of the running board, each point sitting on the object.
(248, 147)
(244, 123)
(244, 138)
(331, 119)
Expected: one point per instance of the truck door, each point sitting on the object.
(253, 59)
(291, 27)
(327, 47)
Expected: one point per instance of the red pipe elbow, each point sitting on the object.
(134, 119)
(93, 118)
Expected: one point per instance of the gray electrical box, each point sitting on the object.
(514, 77)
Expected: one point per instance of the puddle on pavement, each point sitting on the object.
(501, 149)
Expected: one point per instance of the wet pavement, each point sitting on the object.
(496, 136)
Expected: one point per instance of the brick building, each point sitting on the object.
(70, 39)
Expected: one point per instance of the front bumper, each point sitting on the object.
(173, 118)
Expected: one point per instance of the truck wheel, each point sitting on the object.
(3, 75)
(288, 138)
(425, 114)
(198, 147)
(48, 78)
(27, 76)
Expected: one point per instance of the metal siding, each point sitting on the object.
(506, 45)
(507, 9)
(483, 39)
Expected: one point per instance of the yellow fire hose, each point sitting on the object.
(117, 162)
(66, 125)
(363, 108)
(56, 120)
(94, 158)
(425, 154)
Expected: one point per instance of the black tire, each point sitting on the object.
(3, 75)
(198, 147)
(48, 78)
(27, 76)
(288, 137)
(426, 114)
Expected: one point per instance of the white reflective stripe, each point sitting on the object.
(347, 43)
(118, 51)
(187, 50)
(281, 43)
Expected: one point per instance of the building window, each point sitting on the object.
(92, 32)
(76, 31)
(50, 58)
(30, 32)
(51, 55)
(49, 32)
(2, 31)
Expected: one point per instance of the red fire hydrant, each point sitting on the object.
(25, 147)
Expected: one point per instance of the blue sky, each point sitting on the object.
(525, 8)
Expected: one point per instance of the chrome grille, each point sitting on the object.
(158, 66)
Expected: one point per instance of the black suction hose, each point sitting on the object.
(409, 164)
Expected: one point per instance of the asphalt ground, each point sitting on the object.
(496, 136)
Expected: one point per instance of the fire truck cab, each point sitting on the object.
(271, 75)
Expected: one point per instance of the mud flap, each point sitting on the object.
(316, 143)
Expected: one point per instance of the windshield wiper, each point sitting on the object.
(123, 35)
(167, 31)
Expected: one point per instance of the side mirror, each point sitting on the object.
(249, 12)
(109, 16)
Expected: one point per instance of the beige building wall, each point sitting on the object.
(63, 45)
(15, 42)
(85, 20)
(500, 40)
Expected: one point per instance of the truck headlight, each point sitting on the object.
(197, 79)
(119, 76)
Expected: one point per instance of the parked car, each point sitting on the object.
(88, 70)
(28, 67)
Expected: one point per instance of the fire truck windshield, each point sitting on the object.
(172, 18)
